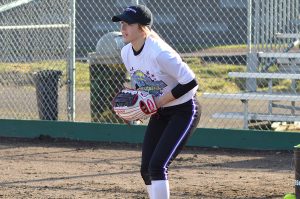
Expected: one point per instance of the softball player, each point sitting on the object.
(155, 67)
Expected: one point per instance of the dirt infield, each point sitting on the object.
(46, 168)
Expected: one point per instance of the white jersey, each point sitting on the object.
(158, 69)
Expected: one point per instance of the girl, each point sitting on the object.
(155, 67)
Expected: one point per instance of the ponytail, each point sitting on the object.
(149, 32)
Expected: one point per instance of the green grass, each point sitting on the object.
(82, 76)
(212, 77)
(30, 67)
(82, 70)
(189, 48)
(229, 47)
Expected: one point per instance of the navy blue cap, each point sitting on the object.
(135, 14)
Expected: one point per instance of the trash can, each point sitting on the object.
(46, 83)
(107, 76)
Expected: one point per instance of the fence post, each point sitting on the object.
(252, 64)
(252, 61)
(71, 65)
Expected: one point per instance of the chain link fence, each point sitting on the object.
(34, 37)
(244, 53)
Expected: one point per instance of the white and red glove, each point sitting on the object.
(133, 105)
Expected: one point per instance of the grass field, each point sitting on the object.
(212, 77)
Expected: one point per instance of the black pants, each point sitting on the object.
(166, 134)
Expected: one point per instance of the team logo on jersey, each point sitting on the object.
(146, 83)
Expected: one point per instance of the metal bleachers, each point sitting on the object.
(273, 40)
(269, 96)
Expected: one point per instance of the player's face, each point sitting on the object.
(130, 32)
